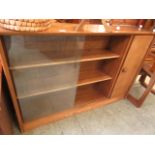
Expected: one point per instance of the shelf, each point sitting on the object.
(98, 55)
(95, 76)
(88, 94)
(58, 62)
(57, 78)
(46, 92)
(87, 56)
(92, 72)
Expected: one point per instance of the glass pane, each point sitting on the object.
(28, 51)
(45, 71)
(46, 104)
(40, 80)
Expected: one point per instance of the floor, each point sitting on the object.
(118, 118)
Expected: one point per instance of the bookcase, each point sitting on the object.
(54, 76)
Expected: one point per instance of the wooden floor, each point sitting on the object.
(118, 118)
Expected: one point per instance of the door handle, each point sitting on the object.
(124, 70)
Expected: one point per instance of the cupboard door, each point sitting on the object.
(131, 65)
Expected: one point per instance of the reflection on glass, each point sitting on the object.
(44, 80)
(27, 51)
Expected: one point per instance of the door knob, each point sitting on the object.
(124, 70)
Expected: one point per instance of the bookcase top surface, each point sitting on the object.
(89, 29)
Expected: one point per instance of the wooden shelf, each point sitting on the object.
(87, 56)
(88, 94)
(58, 62)
(89, 73)
(95, 76)
(46, 92)
(98, 55)
(92, 72)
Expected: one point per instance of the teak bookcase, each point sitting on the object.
(57, 74)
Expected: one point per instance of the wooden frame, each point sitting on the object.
(6, 126)
(10, 85)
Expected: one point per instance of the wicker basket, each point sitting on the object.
(30, 25)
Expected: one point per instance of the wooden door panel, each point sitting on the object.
(132, 63)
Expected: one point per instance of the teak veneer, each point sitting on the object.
(63, 71)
